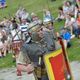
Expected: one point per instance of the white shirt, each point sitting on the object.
(17, 37)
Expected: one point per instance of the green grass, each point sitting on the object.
(7, 61)
(37, 6)
(74, 51)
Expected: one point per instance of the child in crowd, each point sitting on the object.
(66, 36)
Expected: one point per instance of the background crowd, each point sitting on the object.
(23, 20)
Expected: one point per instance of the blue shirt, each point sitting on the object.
(2, 1)
(66, 36)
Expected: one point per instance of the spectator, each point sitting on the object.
(3, 4)
(71, 24)
(22, 14)
(47, 16)
(78, 21)
(71, 7)
(1, 44)
(68, 8)
(76, 11)
(5, 43)
(25, 14)
(78, 18)
(66, 36)
(19, 13)
(65, 8)
(34, 17)
(61, 15)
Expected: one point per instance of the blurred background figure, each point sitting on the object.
(61, 15)
(3, 42)
(78, 3)
(3, 4)
(47, 16)
(66, 36)
(22, 14)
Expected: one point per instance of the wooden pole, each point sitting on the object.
(66, 58)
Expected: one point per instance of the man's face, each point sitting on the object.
(40, 33)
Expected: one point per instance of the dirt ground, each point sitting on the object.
(75, 67)
(10, 74)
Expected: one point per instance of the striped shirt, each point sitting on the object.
(24, 28)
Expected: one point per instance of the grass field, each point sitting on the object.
(37, 6)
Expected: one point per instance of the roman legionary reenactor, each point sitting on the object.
(16, 39)
(30, 58)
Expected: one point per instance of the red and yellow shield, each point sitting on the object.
(56, 66)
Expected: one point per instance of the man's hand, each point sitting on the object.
(29, 68)
(26, 68)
